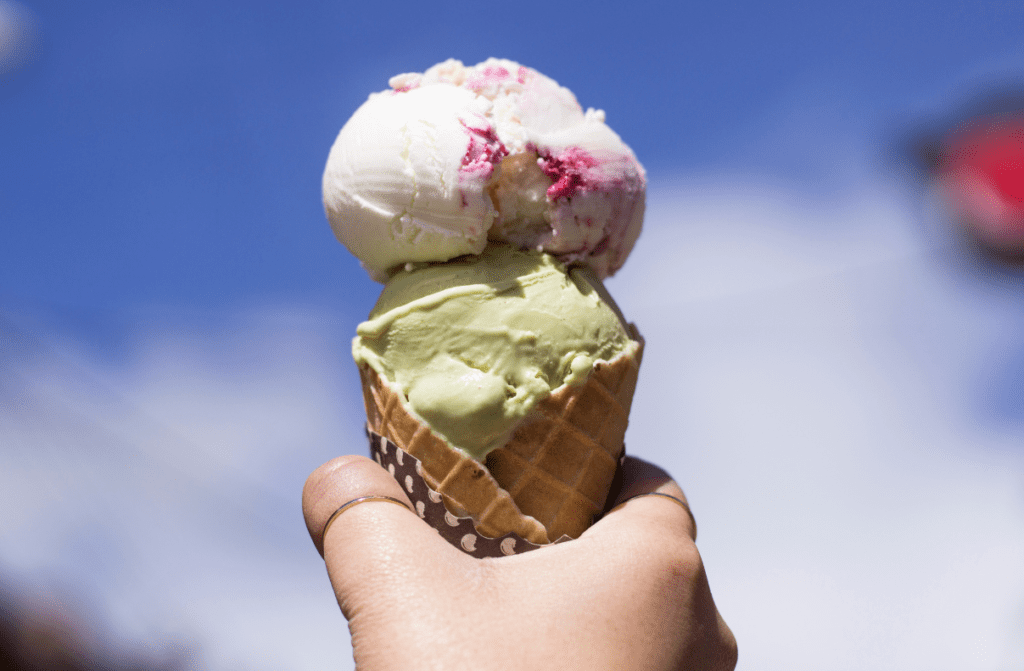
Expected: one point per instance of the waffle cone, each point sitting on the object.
(554, 474)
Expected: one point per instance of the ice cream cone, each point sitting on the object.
(554, 474)
(559, 465)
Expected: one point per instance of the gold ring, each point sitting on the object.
(682, 504)
(356, 502)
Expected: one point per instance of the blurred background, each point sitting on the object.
(835, 339)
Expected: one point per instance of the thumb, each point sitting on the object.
(374, 550)
(633, 505)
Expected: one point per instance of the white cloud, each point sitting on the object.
(17, 36)
(165, 487)
(811, 377)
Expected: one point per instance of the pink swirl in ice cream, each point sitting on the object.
(457, 156)
(484, 152)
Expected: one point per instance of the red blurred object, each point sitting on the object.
(980, 172)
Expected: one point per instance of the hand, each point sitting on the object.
(630, 593)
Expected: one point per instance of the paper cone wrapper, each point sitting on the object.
(553, 476)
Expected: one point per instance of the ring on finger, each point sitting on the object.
(355, 502)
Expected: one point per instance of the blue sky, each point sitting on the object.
(845, 383)
(170, 153)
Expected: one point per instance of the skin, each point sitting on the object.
(631, 592)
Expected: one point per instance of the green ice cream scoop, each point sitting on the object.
(474, 344)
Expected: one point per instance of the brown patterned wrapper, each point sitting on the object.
(429, 505)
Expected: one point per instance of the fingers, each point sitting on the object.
(368, 536)
(641, 477)
(639, 567)
(665, 530)
(381, 558)
(340, 481)
(632, 497)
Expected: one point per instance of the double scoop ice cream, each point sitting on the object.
(492, 206)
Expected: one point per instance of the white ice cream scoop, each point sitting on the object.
(456, 156)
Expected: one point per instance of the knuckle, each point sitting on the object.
(728, 650)
(679, 560)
